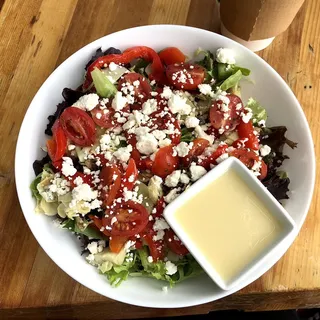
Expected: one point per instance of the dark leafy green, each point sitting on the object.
(89, 231)
(275, 138)
(278, 185)
(209, 63)
(52, 118)
(187, 135)
(38, 165)
(226, 70)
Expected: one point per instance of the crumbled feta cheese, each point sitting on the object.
(67, 167)
(160, 224)
(113, 220)
(223, 157)
(171, 195)
(173, 179)
(71, 147)
(225, 55)
(265, 150)
(197, 172)
(112, 66)
(119, 101)
(205, 89)
(130, 123)
(141, 131)
(159, 135)
(150, 259)
(262, 123)
(149, 106)
(77, 181)
(84, 192)
(246, 116)
(93, 247)
(165, 142)
(171, 268)
(178, 104)
(123, 154)
(159, 235)
(87, 102)
(201, 134)
(184, 178)
(182, 149)
(129, 244)
(147, 144)
(166, 93)
(256, 166)
(191, 122)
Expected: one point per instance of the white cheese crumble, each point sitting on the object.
(119, 101)
(160, 224)
(166, 93)
(191, 122)
(71, 147)
(171, 195)
(87, 102)
(265, 150)
(246, 116)
(173, 179)
(184, 178)
(201, 134)
(159, 235)
(123, 154)
(171, 268)
(112, 66)
(149, 106)
(147, 144)
(178, 104)
(197, 171)
(84, 192)
(159, 135)
(67, 167)
(205, 89)
(182, 149)
(93, 247)
(225, 55)
(150, 259)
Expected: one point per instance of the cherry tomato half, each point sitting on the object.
(248, 158)
(140, 84)
(111, 176)
(164, 162)
(174, 243)
(85, 178)
(171, 55)
(211, 159)
(103, 118)
(131, 217)
(185, 75)
(246, 131)
(229, 119)
(58, 144)
(199, 145)
(78, 126)
(129, 178)
(156, 247)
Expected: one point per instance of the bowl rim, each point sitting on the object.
(112, 294)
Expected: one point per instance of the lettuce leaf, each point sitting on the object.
(259, 112)
(187, 135)
(209, 63)
(231, 81)
(33, 187)
(226, 70)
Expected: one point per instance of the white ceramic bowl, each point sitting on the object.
(269, 89)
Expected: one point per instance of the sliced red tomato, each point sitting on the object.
(130, 177)
(85, 177)
(98, 223)
(156, 247)
(116, 243)
(246, 131)
(185, 76)
(171, 55)
(78, 126)
(58, 144)
(140, 84)
(226, 120)
(57, 165)
(142, 164)
(103, 118)
(199, 145)
(160, 205)
(111, 176)
(211, 159)
(174, 243)
(131, 219)
(164, 162)
(248, 158)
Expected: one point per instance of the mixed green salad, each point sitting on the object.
(142, 128)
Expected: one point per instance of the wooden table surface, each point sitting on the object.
(35, 37)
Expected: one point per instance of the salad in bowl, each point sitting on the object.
(142, 127)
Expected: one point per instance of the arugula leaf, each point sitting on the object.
(87, 230)
(187, 135)
(232, 81)
(209, 63)
(226, 70)
(259, 113)
(103, 85)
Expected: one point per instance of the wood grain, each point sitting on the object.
(38, 35)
